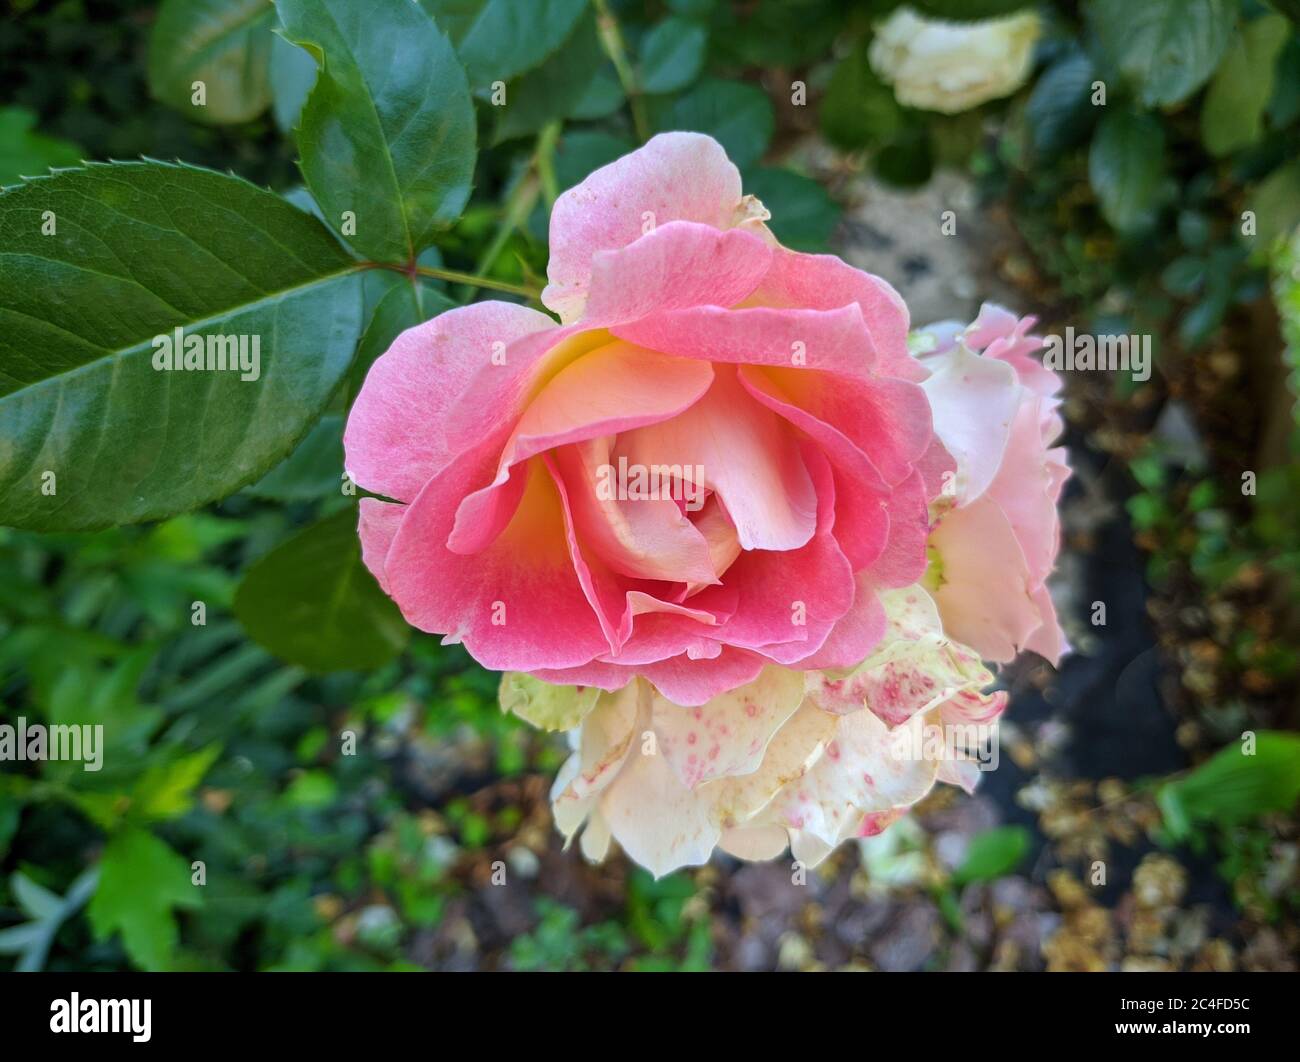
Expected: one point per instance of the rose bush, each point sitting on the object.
(689, 339)
(755, 659)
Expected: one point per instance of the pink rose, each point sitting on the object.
(708, 467)
(997, 531)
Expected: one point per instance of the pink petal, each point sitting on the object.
(1025, 490)
(824, 282)
(789, 601)
(643, 538)
(861, 493)
(887, 419)
(855, 633)
(985, 595)
(832, 340)
(674, 177)
(747, 458)
(377, 523)
(547, 621)
(974, 400)
(611, 389)
(394, 439)
(681, 679)
(677, 265)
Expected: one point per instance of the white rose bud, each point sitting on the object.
(953, 66)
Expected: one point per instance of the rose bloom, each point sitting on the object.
(953, 66)
(708, 524)
(772, 392)
(800, 759)
(997, 531)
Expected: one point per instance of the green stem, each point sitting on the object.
(612, 38)
(455, 276)
(545, 159)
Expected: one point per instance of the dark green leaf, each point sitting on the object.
(313, 471)
(1233, 114)
(968, 10)
(908, 159)
(580, 152)
(859, 110)
(226, 44)
(555, 88)
(672, 54)
(139, 250)
(1183, 276)
(1126, 165)
(24, 153)
(1060, 107)
(1284, 107)
(783, 33)
(736, 114)
(387, 134)
(601, 98)
(498, 40)
(803, 214)
(401, 305)
(1166, 49)
(311, 602)
(993, 854)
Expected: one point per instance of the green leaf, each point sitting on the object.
(1183, 276)
(11, 810)
(968, 10)
(402, 305)
(141, 883)
(545, 706)
(1166, 49)
(1276, 203)
(1233, 787)
(554, 89)
(803, 213)
(993, 854)
(226, 44)
(387, 134)
(908, 159)
(859, 110)
(137, 251)
(1060, 108)
(1233, 114)
(672, 54)
(1126, 165)
(24, 153)
(498, 40)
(312, 602)
(312, 472)
(739, 116)
(165, 790)
(1284, 107)
(293, 73)
(601, 98)
(582, 152)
